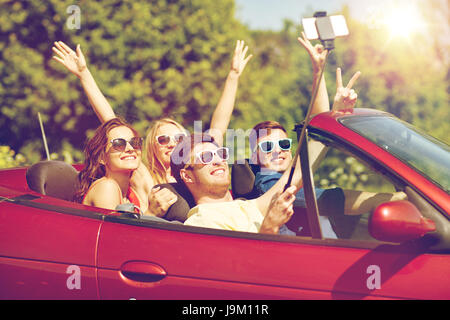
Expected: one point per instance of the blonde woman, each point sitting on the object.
(165, 133)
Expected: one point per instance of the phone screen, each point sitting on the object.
(309, 27)
(339, 26)
(329, 27)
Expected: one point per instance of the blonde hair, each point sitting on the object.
(154, 164)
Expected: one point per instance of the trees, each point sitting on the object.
(170, 58)
(150, 59)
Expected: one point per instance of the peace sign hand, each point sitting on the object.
(74, 62)
(345, 96)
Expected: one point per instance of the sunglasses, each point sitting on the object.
(207, 156)
(268, 145)
(120, 144)
(164, 139)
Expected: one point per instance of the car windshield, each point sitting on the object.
(424, 153)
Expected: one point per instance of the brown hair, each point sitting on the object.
(262, 129)
(154, 164)
(181, 154)
(94, 152)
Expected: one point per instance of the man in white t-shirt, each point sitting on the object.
(201, 165)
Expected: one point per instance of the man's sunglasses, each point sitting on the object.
(164, 139)
(268, 145)
(120, 144)
(207, 156)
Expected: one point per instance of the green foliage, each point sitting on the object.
(8, 158)
(170, 58)
(151, 59)
(344, 171)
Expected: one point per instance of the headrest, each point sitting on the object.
(53, 178)
(243, 179)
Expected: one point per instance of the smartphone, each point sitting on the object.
(325, 28)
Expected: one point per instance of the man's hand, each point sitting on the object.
(160, 200)
(280, 211)
(73, 61)
(239, 60)
(345, 97)
(316, 53)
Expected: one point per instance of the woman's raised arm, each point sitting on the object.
(76, 63)
(222, 114)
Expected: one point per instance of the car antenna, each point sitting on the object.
(43, 136)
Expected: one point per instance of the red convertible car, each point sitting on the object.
(52, 248)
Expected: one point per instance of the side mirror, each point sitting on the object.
(399, 221)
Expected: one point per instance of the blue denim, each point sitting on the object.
(265, 180)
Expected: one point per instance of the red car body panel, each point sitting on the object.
(122, 258)
(297, 270)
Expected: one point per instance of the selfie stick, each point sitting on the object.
(43, 136)
(328, 45)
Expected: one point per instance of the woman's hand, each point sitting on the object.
(73, 61)
(222, 114)
(76, 63)
(160, 200)
(239, 60)
(345, 96)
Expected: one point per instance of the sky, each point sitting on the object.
(269, 14)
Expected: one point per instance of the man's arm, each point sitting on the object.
(317, 150)
(279, 212)
(317, 55)
(360, 202)
(345, 98)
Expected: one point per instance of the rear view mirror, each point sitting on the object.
(399, 221)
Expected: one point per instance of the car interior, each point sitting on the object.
(59, 179)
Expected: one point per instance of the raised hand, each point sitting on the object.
(239, 60)
(73, 61)
(317, 53)
(345, 96)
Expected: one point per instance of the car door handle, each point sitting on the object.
(142, 271)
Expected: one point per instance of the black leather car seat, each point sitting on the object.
(53, 178)
(243, 180)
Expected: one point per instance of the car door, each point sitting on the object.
(47, 248)
(152, 260)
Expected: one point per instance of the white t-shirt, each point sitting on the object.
(236, 215)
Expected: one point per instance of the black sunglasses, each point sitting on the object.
(120, 144)
(164, 139)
